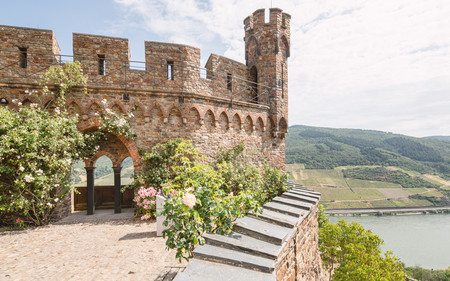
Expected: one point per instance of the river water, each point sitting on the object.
(422, 240)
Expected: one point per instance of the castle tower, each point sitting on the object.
(266, 54)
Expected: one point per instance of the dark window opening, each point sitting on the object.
(254, 84)
(170, 70)
(229, 82)
(101, 65)
(23, 57)
(282, 81)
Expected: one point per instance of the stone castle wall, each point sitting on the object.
(169, 94)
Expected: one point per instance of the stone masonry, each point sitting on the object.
(169, 94)
(279, 244)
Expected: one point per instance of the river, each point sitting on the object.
(422, 240)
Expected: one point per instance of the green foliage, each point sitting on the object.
(60, 80)
(274, 182)
(423, 274)
(214, 210)
(414, 150)
(202, 197)
(386, 175)
(164, 161)
(36, 152)
(349, 252)
(325, 148)
(37, 147)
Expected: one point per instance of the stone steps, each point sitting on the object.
(300, 197)
(276, 218)
(201, 270)
(262, 230)
(285, 209)
(244, 243)
(235, 258)
(306, 192)
(256, 243)
(293, 203)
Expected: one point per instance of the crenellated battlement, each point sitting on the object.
(276, 18)
(169, 94)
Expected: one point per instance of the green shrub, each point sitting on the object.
(202, 197)
(37, 147)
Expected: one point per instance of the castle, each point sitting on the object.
(169, 95)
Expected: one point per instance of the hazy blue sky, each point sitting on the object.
(374, 64)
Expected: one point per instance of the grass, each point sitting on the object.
(368, 193)
(356, 183)
(328, 193)
(322, 177)
(382, 204)
(351, 204)
(417, 190)
(408, 202)
(339, 192)
(433, 193)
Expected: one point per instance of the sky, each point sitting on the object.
(366, 64)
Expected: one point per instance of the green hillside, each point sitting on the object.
(327, 148)
(446, 138)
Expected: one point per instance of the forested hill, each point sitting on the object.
(446, 138)
(326, 148)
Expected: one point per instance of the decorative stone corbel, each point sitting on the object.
(166, 120)
(201, 122)
(216, 123)
(185, 121)
(147, 119)
(264, 128)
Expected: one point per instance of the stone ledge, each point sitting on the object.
(262, 245)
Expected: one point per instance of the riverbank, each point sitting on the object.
(386, 211)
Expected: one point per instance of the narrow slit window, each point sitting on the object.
(23, 57)
(101, 65)
(282, 81)
(229, 82)
(170, 70)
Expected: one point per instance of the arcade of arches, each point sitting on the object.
(92, 194)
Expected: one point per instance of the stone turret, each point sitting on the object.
(266, 53)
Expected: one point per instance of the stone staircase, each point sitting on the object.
(253, 251)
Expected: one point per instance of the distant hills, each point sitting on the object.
(445, 138)
(327, 148)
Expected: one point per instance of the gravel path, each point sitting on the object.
(99, 247)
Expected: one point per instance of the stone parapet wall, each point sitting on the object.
(280, 244)
(169, 94)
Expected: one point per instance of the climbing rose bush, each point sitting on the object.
(146, 202)
(200, 205)
(38, 145)
(35, 157)
(203, 197)
(189, 200)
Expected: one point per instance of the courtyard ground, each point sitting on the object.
(104, 246)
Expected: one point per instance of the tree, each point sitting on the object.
(349, 252)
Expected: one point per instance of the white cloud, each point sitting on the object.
(362, 64)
